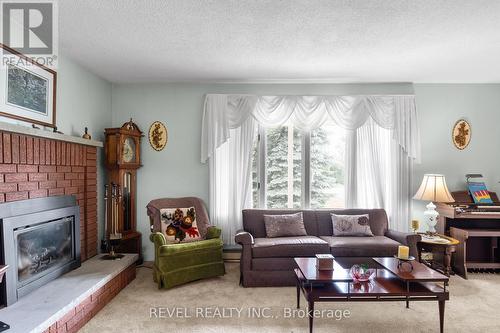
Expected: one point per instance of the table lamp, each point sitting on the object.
(433, 189)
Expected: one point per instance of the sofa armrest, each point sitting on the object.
(213, 232)
(405, 238)
(243, 237)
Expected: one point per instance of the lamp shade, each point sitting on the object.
(433, 188)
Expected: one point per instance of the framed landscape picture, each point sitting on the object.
(27, 89)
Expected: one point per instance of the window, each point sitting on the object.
(294, 169)
(283, 167)
(327, 167)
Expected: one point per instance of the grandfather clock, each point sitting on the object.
(122, 154)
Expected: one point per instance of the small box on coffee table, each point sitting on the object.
(324, 262)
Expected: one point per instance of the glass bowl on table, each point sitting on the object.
(362, 273)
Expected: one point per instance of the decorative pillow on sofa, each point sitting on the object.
(284, 225)
(179, 225)
(351, 225)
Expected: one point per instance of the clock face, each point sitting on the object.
(128, 151)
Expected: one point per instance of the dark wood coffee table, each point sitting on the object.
(389, 284)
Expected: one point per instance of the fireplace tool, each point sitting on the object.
(115, 237)
(104, 242)
(3, 269)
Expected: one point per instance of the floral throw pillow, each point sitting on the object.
(179, 225)
(351, 225)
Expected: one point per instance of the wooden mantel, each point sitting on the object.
(35, 163)
(41, 133)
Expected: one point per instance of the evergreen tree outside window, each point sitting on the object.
(279, 169)
(283, 167)
(327, 167)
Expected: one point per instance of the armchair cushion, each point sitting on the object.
(184, 248)
(154, 207)
(179, 225)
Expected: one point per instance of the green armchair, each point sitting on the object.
(177, 264)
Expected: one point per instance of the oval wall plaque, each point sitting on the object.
(158, 135)
(461, 134)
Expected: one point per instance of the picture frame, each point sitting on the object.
(27, 89)
(158, 135)
(461, 134)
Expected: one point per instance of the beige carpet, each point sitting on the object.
(473, 307)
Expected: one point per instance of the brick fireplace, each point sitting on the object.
(36, 164)
(35, 167)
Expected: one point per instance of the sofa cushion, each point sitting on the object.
(351, 225)
(377, 246)
(253, 220)
(303, 246)
(284, 225)
(377, 219)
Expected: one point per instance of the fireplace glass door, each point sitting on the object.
(43, 248)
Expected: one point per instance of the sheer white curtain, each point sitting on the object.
(230, 181)
(378, 174)
(400, 195)
(382, 143)
(224, 112)
(373, 163)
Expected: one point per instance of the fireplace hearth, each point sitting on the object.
(40, 241)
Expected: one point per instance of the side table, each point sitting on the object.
(438, 244)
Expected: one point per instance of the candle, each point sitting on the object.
(415, 224)
(403, 252)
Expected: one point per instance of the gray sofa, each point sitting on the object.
(267, 262)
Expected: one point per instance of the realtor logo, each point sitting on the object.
(30, 27)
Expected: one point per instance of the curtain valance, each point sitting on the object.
(224, 112)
